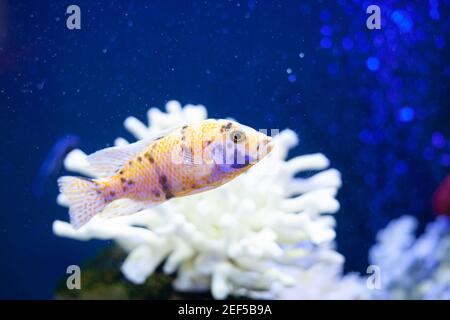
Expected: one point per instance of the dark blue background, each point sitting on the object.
(375, 102)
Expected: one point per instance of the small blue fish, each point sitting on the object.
(53, 162)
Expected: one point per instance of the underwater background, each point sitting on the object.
(376, 102)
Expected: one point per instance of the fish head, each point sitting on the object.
(235, 147)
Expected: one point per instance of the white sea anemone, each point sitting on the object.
(413, 268)
(262, 233)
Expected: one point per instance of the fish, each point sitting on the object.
(193, 158)
(53, 162)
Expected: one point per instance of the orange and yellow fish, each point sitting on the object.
(185, 161)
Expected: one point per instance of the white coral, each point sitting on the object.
(413, 268)
(256, 236)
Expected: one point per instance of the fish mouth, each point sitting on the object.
(250, 158)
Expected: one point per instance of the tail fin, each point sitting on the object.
(84, 197)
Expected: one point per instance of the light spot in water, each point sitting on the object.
(326, 31)
(434, 9)
(438, 140)
(406, 114)
(402, 20)
(373, 63)
(326, 43)
(292, 77)
(434, 14)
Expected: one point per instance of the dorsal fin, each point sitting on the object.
(108, 161)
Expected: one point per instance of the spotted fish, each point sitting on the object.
(184, 161)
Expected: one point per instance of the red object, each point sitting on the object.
(441, 198)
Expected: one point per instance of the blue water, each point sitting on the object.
(375, 102)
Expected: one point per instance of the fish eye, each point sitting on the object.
(237, 136)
